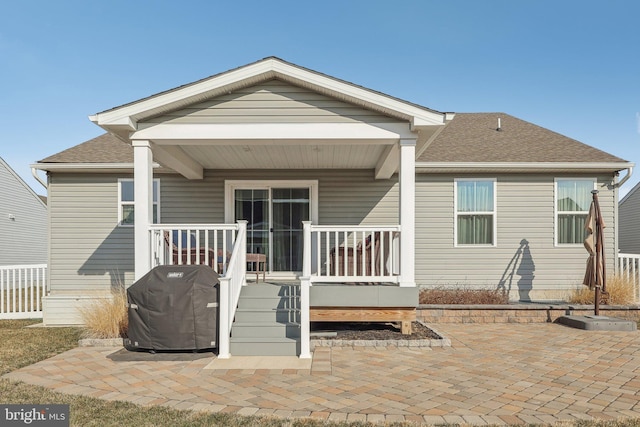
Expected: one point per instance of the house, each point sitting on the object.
(335, 184)
(629, 218)
(23, 221)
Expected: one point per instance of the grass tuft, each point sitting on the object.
(619, 288)
(442, 295)
(106, 318)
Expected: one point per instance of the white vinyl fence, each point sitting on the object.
(21, 290)
(629, 267)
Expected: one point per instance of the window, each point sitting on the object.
(573, 198)
(475, 212)
(125, 201)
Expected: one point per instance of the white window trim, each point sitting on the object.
(120, 203)
(494, 213)
(555, 210)
(231, 185)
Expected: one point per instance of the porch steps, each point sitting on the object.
(267, 321)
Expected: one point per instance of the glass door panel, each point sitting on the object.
(253, 206)
(290, 206)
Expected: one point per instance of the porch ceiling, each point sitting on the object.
(289, 156)
(190, 148)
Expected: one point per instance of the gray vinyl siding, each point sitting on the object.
(629, 218)
(345, 196)
(272, 102)
(88, 249)
(23, 238)
(525, 262)
(90, 252)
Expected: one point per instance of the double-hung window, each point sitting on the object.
(126, 202)
(573, 198)
(475, 212)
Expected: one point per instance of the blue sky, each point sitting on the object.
(570, 66)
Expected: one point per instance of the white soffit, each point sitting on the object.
(129, 115)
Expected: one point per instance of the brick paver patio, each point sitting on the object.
(492, 374)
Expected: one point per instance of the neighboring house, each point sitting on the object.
(471, 200)
(23, 221)
(629, 219)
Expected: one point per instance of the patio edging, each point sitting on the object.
(517, 313)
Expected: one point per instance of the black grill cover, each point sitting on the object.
(174, 307)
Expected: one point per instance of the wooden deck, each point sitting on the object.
(402, 315)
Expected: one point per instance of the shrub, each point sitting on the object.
(441, 295)
(619, 288)
(107, 317)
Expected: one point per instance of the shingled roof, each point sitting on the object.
(468, 138)
(105, 148)
(474, 138)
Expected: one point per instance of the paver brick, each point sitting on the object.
(492, 374)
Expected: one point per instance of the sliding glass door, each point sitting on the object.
(274, 216)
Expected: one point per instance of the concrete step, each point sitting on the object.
(244, 315)
(266, 321)
(264, 346)
(265, 330)
(267, 302)
(270, 290)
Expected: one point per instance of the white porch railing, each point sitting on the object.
(191, 244)
(344, 254)
(21, 290)
(629, 267)
(220, 246)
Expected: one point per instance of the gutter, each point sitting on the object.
(525, 165)
(626, 177)
(84, 166)
(34, 172)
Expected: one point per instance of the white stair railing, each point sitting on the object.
(230, 286)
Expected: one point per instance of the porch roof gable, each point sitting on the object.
(124, 119)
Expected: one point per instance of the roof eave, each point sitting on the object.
(522, 167)
(86, 167)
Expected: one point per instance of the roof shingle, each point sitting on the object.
(105, 148)
(468, 138)
(474, 138)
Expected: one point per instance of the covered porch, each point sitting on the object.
(276, 121)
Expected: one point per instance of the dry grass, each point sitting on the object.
(620, 289)
(442, 295)
(23, 346)
(106, 318)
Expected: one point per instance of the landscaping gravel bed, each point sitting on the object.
(362, 334)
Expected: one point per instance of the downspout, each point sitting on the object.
(626, 177)
(37, 177)
(616, 227)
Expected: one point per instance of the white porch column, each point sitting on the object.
(407, 181)
(143, 205)
(305, 284)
